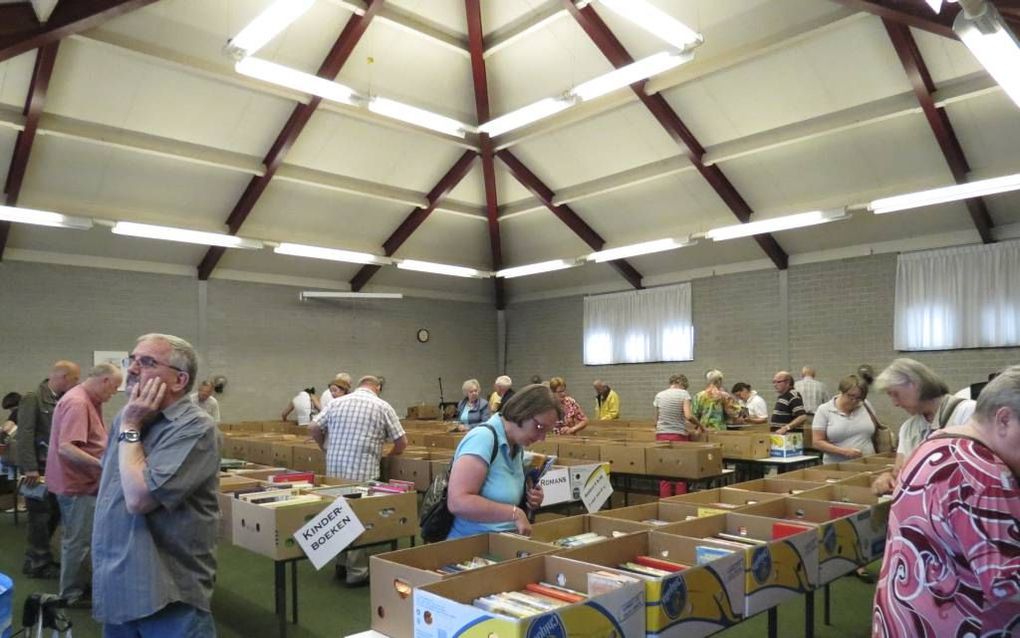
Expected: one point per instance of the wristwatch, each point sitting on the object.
(131, 436)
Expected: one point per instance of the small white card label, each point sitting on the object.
(597, 489)
(329, 532)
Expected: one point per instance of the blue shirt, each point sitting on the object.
(504, 483)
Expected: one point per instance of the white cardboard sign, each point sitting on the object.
(555, 486)
(329, 532)
(597, 489)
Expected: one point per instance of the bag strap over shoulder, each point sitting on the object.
(495, 442)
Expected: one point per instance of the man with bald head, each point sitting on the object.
(35, 417)
(812, 392)
(789, 412)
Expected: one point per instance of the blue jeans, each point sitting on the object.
(76, 513)
(174, 620)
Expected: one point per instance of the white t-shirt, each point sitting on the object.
(302, 408)
(211, 406)
(916, 429)
(756, 406)
(852, 430)
(671, 411)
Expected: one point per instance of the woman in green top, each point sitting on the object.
(713, 406)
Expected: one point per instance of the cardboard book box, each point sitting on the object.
(721, 500)
(414, 467)
(843, 539)
(446, 441)
(554, 530)
(547, 447)
(874, 534)
(309, 458)
(423, 411)
(786, 445)
(445, 608)
(777, 485)
(684, 460)
(626, 458)
(224, 497)
(396, 574)
(776, 571)
(824, 476)
(692, 603)
(655, 513)
(742, 445)
(579, 449)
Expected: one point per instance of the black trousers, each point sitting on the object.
(43, 519)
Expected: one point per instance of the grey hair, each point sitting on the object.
(470, 383)
(369, 379)
(207, 384)
(104, 369)
(905, 371)
(182, 355)
(1001, 392)
(714, 377)
(504, 381)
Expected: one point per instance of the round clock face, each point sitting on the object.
(423, 335)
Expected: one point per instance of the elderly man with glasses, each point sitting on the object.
(154, 540)
(789, 413)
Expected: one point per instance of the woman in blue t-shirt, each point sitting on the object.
(483, 496)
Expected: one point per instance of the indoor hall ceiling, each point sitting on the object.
(800, 104)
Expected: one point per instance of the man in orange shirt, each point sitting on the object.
(78, 439)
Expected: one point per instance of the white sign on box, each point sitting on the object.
(329, 532)
(597, 489)
(555, 486)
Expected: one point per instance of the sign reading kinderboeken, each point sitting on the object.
(329, 532)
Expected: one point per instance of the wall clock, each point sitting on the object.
(423, 335)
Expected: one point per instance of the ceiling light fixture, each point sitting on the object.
(441, 269)
(296, 80)
(169, 233)
(534, 269)
(945, 194)
(417, 116)
(330, 254)
(643, 248)
(314, 294)
(655, 21)
(267, 25)
(526, 115)
(627, 75)
(20, 215)
(990, 40)
(786, 222)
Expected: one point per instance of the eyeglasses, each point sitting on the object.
(854, 397)
(146, 362)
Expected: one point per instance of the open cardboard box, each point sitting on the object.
(680, 459)
(225, 496)
(660, 510)
(396, 574)
(742, 445)
(445, 608)
(774, 572)
(626, 457)
(819, 475)
(579, 449)
(843, 540)
(722, 499)
(692, 603)
(415, 467)
(554, 530)
(874, 533)
(784, 486)
(447, 441)
(546, 447)
(309, 458)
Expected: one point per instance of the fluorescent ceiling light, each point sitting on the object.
(627, 75)
(294, 79)
(416, 116)
(268, 24)
(643, 248)
(525, 115)
(994, 45)
(945, 194)
(331, 254)
(441, 269)
(312, 294)
(534, 269)
(169, 233)
(776, 224)
(21, 215)
(656, 22)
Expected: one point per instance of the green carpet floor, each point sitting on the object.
(243, 601)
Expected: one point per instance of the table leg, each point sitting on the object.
(809, 614)
(828, 617)
(293, 591)
(773, 622)
(626, 490)
(16, 492)
(280, 591)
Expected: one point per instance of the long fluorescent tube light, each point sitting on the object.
(312, 294)
(655, 21)
(416, 116)
(268, 24)
(776, 224)
(169, 233)
(296, 80)
(525, 115)
(994, 45)
(534, 269)
(643, 248)
(627, 75)
(331, 254)
(945, 194)
(440, 269)
(20, 215)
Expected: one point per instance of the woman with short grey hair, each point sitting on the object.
(472, 409)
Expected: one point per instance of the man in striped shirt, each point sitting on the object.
(812, 392)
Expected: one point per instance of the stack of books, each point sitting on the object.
(276, 498)
(654, 567)
(579, 539)
(474, 563)
(542, 597)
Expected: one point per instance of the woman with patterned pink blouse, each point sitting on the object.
(952, 558)
(574, 419)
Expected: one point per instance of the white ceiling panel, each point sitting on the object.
(15, 78)
(410, 280)
(450, 239)
(100, 242)
(472, 188)
(601, 275)
(988, 128)
(448, 13)
(268, 262)
(704, 254)
(497, 15)
(1004, 208)
(7, 139)
(945, 58)
(538, 237)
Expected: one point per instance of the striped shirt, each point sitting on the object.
(356, 426)
(812, 392)
(670, 403)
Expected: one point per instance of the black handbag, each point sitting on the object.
(436, 520)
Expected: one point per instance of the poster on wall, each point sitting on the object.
(115, 357)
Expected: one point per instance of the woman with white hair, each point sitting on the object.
(713, 406)
(472, 410)
(502, 390)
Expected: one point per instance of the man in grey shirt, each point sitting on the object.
(154, 536)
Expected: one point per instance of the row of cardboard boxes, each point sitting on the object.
(809, 529)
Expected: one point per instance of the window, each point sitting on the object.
(639, 326)
(958, 298)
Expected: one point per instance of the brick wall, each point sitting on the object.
(839, 315)
(261, 337)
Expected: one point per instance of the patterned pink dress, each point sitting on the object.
(952, 558)
(572, 413)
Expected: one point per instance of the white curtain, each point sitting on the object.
(639, 326)
(955, 298)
